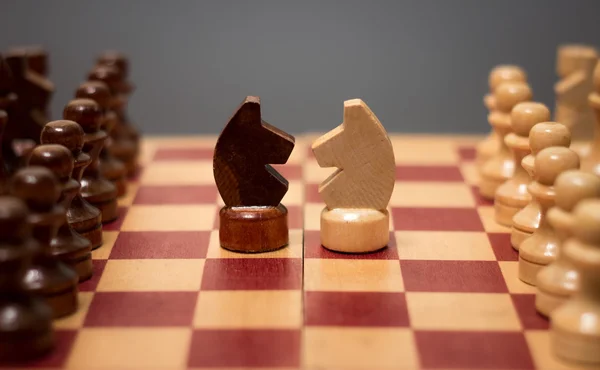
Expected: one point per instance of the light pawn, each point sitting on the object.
(540, 248)
(543, 135)
(575, 326)
(559, 280)
(512, 196)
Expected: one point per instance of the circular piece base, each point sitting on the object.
(63, 303)
(504, 213)
(517, 237)
(575, 347)
(546, 302)
(354, 230)
(108, 210)
(528, 271)
(94, 235)
(253, 229)
(488, 187)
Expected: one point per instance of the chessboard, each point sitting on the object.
(444, 294)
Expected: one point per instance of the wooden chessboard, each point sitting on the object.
(444, 294)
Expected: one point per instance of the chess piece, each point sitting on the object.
(542, 135)
(3, 168)
(253, 219)
(575, 66)
(575, 326)
(500, 167)
(124, 145)
(26, 327)
(110, 167)
(47, 277)
(84, 218)
(34, 92)
(591, 162)
(559, 280)
(96, 189)
(356, 196)
(512, 196)
(8, 103)
(540, 249)
(68, 246)
(499, 74)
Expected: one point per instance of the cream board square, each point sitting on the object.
(108, 242)
(441, 245)
(462, 311)
(264, 309)
(312, 216)
(510, 273)
(178, 173)
(431, 194)
(131, 348)
(170, 218)
(359, 348)
(293, 250)
(294, 195)
(152, 275)
(353, 275)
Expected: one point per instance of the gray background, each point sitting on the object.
(422, 66)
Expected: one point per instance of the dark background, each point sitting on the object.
(422, 66)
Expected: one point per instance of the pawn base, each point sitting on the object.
(488, 187)
(546, 302)
(109, 210)
(517, 237)
(528, 271)
(253, 229)
(76, 252)
(575, 347)
(504, 213)
(354, 230)
(63, 303)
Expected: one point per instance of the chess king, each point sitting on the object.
(253, 219)
(355, 219)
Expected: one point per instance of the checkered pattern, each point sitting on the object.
(443, 295)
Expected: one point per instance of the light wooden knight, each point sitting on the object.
(355, 219)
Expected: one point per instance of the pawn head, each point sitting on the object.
(552, 161)
(509, 94)
(546, 134)
(506, 73)
(114, 58)
(13, 219)
(63, 132)
(86, 113)
(573, 186)
(526, 115)
(587, 221)
(55, 157)
(37, 187)
(109, 74)
(95, 90)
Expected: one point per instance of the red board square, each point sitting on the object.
(141, 309)
(530, 318)
(245, 348)
(252, 274)
(467, 153)
(502, 248)
(473, 350)
(479, 200)
(355, 309)
(428, 173)
(453, 276)
(156, 244)
(91, 284)
(295, 217)
(176, 194)
(57, 358)
(116, 225)
(289, 171)
(170, 154)
(314, 249)
(436, 219)
(311, 193)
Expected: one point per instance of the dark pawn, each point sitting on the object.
(125, 144)
(3, 167)
(47, 277)
(111, 167)
(26, 331)
(95, 188)
(82, 216)
(68, 245)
